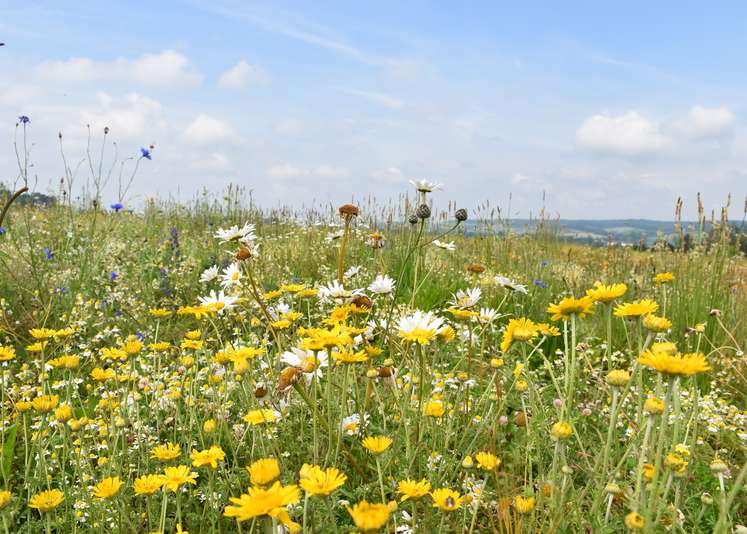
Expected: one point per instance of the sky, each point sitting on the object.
(591, 111)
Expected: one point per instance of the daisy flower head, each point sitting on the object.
(420, 327)
(466, 299)
(244, 234)
(424, 186)
(382, 285)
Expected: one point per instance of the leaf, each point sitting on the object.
(6, 460)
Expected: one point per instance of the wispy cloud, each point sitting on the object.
(294, 26)
(381, 99)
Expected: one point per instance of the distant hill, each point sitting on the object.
(627, 231)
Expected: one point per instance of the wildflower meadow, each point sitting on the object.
(371, 367)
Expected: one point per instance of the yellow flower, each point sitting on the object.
(45, 403)
(160, 346)
(656, 324)
(107, 488)
(569, 306)
(317, 481)
(263, 471)
(159, 312)
(42, 333)
(410, 489)
(434, 408)
(208, 427)
(648, 472)
(174, 477)
(634, 521)
(606, 293)
(4, 498)
(636, 309)
(260, 416)
(618, 378)
(63, 413)
(209, 457)
(561, 430)
(271, 502)
(661, 278)
(664, 346)
(518, 330)
(677, 365)
(46, 501)
(524, 505)
(193, 334)
(350, 356)
(377, 444)
(101, 375)
(166, 452)
(7, 353)
(194, 344)
(446, 499)
(132, 346)
(148, 484)
(369, 516)
(487, 461)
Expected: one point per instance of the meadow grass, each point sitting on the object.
(118, 339)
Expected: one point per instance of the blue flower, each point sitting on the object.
(116, 206)
(545, 263)
(23, 119)
(48, 254)
(112, 276)
(540, 283)
(145, 153)
(2, 230)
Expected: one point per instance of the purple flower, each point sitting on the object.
(48, 254)
(2, 230)
(145, 153)
(540, 283)
(116, 206)
(23, 119)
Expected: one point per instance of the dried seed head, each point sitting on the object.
(348, 211)
(384, 372)
(413, 219)
(244, 253)
(423, 212)
(260, 391)
(460, 215)
(288, 377)
(475, 268)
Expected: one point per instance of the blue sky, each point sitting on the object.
(610, 111)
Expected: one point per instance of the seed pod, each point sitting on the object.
(423, 212)
(413, 219)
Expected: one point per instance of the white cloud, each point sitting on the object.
(167, 68)
(284, 171)
(241, 75)
(206, 130)
(390, 175)
(216, 161)
(381, 99)
(629, 134)
(289, 126)
(705, 122)
(131, 116)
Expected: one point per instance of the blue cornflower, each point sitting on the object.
(48, 254)
(540, 283)
(145, 153)
(23, 119)
(116, 206)
(112, 276)
(2, 230)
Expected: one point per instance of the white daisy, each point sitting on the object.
(231, 276)
(306, 361)
(443, 245)
(209, 274)
(424, 186)
(334, 290)
(466, 299)
(219, 301)
(382, 285)
(244, 234)
(510, 284)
